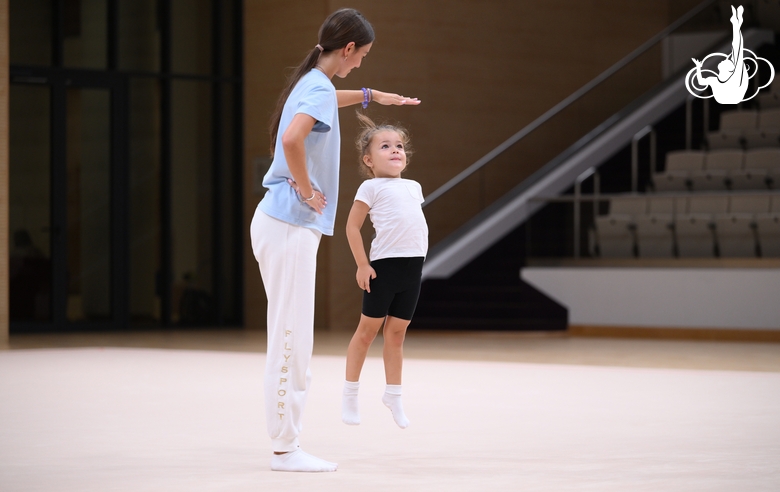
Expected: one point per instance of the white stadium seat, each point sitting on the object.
(736, 236)
(615, 236)
(749, 203)
(628, 205)
(694, 235)
(768, 228)
(654, 235)
(733, 125)
(717, 165)
(679, 165)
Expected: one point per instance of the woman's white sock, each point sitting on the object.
(298, 461)
(350, 414)
(392, 400)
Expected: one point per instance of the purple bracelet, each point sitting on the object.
(365, 98)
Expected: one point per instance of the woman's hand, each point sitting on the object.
(388, 99)
(364, 275)
(317, 203)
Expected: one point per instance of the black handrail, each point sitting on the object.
(565, 103)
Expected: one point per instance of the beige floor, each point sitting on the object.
(489, 411)
(490, 346)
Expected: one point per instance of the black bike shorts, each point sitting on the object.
(396, 288)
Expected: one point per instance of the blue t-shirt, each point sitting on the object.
(315, 96)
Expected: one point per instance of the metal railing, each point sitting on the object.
(498, 171)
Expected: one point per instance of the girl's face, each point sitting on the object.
(386, 155)
(354, 58)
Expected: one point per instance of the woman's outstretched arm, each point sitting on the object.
(350, 98)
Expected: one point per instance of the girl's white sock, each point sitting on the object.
(392, 400)
(350, 414)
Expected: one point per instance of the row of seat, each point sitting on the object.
(725, 169)
(748, 129)
(769, 97)
(657, 226)
(675, 203)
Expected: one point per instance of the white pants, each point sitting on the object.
(287, 256)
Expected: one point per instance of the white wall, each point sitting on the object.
(733, 298)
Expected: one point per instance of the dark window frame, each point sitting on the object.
(57, 72)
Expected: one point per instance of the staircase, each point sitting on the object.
(488, 294)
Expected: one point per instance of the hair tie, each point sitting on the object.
(319, 48)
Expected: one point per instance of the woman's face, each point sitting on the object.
(353, 60)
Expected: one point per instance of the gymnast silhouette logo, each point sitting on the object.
(730, 84)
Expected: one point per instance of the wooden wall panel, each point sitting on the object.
(482, 69)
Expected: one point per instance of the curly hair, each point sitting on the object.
(368, 130)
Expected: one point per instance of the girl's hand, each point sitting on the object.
(387, 99)
(317, 203)
(364, 275)
(696, 62)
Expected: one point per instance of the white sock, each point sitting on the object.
(392, 400)
(298, 461)
(350, 414)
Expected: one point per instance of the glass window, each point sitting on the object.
(191, 198)
(30, 203)
(144, 190)
(139, 35)
(228, 55)
(88, 160)
(191, 36)
(85, 31)
(205, 172)
(30, 31)
(230, 179)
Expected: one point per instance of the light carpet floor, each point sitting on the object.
(127, 419)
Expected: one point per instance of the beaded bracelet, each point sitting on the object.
(366, 100)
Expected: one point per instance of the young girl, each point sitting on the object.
(391, 280)
(293, 215)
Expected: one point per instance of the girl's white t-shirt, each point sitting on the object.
(395, 209)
